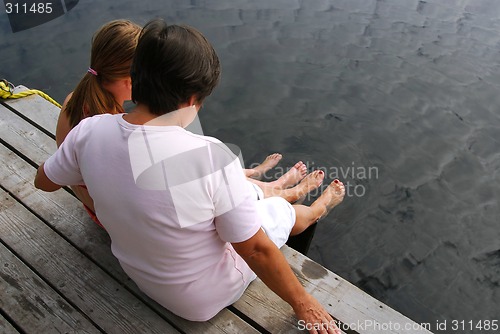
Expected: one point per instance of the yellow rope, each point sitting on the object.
(6, 92)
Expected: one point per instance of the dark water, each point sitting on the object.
(400, 96)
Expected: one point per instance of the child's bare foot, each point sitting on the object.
(330, 198)
(291, 177)
(308, 184)
(270, 162)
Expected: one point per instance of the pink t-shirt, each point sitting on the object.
(172, 202)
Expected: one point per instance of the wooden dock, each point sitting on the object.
(57, 273)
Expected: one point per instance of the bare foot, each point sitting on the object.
(270, 162)
(292, 177)
(330, 198)
(308, 184)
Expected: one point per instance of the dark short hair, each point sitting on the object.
(171, 64)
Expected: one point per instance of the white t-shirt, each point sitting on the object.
(172, 202)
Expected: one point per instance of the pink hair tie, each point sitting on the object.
(91, 71)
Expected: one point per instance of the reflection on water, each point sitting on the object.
(408, 87)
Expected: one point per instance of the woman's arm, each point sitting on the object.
(266, 260)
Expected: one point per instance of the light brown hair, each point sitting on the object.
(113, 47)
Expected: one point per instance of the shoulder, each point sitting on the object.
(89, 130)
(63, 127)
(93, 123)
(89, 121)
(67, 100)
(224, 155)
(207, 139)
(218, 146)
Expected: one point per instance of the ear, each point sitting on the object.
(193, 100)
(128, 83)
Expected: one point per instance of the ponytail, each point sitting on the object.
(90, 98)
(113, 48)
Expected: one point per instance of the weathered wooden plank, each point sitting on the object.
(96, 294)
(37, 109)
(344, 301)
(27, 139)
(267, 309)
(65, 214)
(347, 302)
(32, 304)
(6, 327)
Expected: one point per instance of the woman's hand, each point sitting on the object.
(313, 317)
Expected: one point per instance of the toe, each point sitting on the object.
(275, 156)
(339, 188)
(320, 177)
